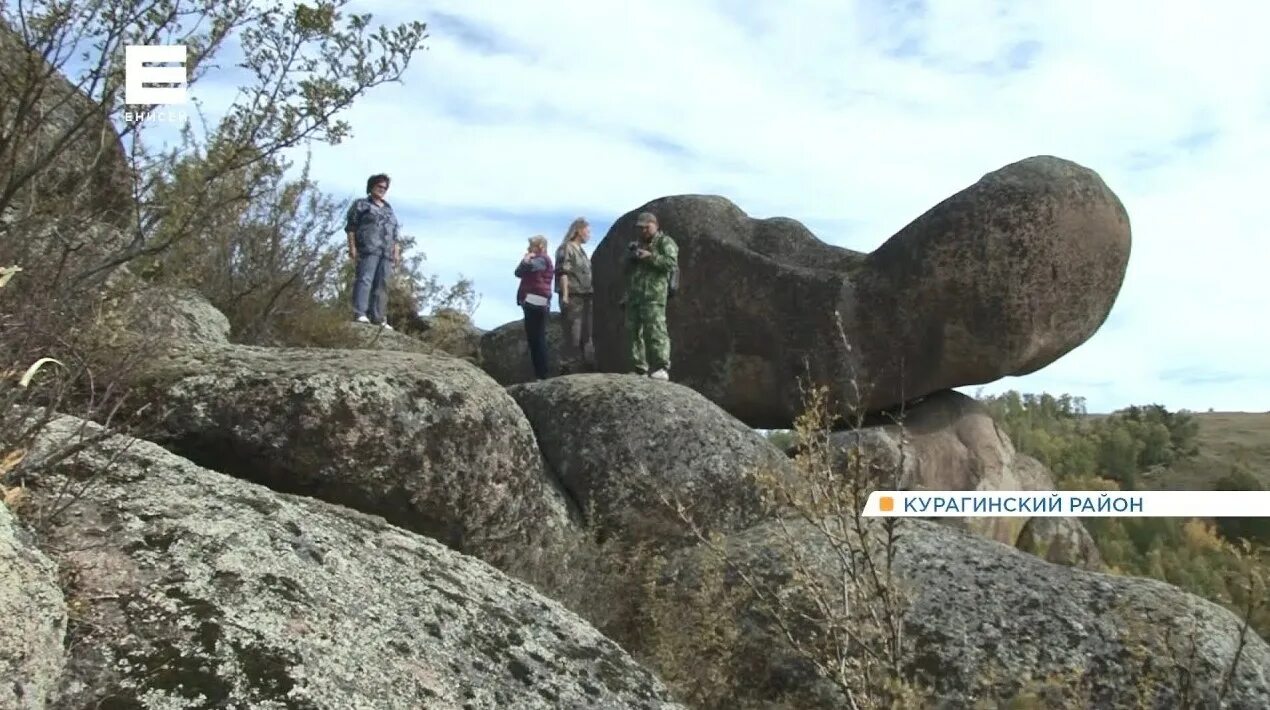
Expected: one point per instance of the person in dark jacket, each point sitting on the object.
(536, 274)
(374, 245)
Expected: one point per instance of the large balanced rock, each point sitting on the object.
(629, 450)
(429, 442)
(194, 589)
(1002, 278)
(982, 623)
(949, 442)
(505, 351)
(33, 629)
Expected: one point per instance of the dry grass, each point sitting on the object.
(1226, 439)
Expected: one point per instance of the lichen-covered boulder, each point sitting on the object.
(1063, 541)
(982, 623)
(174, 314)
(630, 450)
(373, 337)
(1001, 278)
(195, 589)
(427, 441)
(83, 168)
(32, 621)
(505, 351)
(950, 442)
(453, 332)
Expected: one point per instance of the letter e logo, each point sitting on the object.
(138, 77)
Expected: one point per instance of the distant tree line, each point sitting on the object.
(1120, 446)
(1213, 559)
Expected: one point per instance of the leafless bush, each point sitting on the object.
(90, 211)
(53, 360)
(846, 623)
(697, 629)
(278, 268)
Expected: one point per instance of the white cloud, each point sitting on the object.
(520, 116)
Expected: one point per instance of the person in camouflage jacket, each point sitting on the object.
(651, 259)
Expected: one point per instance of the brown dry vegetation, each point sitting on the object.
(843, 626)
(1167, 451)
(1226, 440)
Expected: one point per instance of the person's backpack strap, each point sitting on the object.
(672, 281)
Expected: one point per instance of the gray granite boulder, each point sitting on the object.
(949, 442)
(453, 332)
(983, 623)
(427, 441)
(32, 621)
(367, 336)
(628, 449)
(195, 589)
(505, 351)
(82, 166)
(1063, 541)
(174, 314)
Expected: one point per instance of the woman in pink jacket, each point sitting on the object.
(536, 274)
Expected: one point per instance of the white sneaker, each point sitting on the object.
(386, 326)
(660, 375)
(361, 319)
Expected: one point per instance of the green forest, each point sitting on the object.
(1151, 448)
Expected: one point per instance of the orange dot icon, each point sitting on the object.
(887, 503)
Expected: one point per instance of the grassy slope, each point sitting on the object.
(1225, 438)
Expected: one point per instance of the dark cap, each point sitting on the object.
(645, 218)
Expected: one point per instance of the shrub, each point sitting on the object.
(92, 213)
(845, 624)
(1255, 530)
(278, 268)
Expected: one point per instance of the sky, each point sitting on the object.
(853, 118)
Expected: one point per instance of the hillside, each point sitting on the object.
(1225, 439)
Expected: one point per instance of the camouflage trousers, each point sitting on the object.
(649, 339)
(577, 352)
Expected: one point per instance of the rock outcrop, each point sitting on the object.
(194, 589)
(505, 351)
(429, 442)
(89, 176)
(987, 623)
(175, 314)
(183, 314)
(1001, 278)
(452, 332)
(949, 442)
(32, 621)
(373, 337)
(629, 450)
(158, 583)
(1063, 541)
